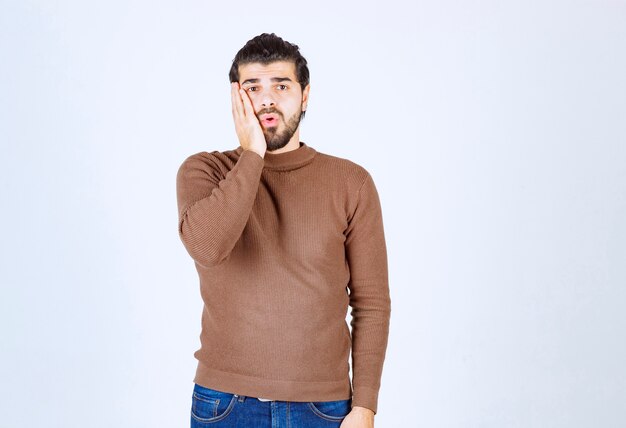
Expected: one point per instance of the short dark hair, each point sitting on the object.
(267, 48)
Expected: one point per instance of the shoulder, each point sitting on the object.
(214, 162)
(345, 170)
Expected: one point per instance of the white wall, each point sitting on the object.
(495, 132)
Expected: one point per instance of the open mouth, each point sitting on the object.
(269, 121)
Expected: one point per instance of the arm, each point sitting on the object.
(214, 210)
(369, 295)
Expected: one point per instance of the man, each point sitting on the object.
(284, 238)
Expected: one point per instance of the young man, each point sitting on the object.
(284, 239)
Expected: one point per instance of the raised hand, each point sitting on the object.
(247, 125)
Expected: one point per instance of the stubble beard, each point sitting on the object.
(278, 139)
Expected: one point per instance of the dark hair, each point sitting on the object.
(267, 48)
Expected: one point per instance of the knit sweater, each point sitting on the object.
(283, 244)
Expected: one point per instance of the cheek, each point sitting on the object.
(293, 104)
(255, 100)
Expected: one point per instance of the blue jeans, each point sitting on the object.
(212, 408)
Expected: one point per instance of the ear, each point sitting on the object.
(305, 96)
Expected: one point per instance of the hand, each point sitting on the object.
(247, 125)
(359, 417)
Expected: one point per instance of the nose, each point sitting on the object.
(266, 99)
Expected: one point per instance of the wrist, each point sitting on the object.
(363, 411)
(258, 152)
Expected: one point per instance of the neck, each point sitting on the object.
(289, 159)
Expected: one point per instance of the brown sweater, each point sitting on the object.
(282, 245)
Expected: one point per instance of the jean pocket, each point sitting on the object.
(210, 405)
(331, 410)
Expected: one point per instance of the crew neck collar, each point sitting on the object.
(287, 160)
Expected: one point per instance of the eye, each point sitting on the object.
(283, 85)
(251, 87)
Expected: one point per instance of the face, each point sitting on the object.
(275, 92)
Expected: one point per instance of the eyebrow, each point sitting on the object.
(273, 79)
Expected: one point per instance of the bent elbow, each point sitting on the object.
(205, 255)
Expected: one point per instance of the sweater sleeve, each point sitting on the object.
(369, 295)
(213, 209)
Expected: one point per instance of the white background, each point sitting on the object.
(495, 132)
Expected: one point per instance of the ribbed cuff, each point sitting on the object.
(365, 397)
(252, 153)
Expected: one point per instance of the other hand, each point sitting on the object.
(359, 417)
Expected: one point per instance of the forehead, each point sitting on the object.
(256, 70)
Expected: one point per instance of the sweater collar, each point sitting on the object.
(288, 160)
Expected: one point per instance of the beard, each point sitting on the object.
(276, 139)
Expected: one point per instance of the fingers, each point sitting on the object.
(237, 105)
(247, 125)
(247, 104)
(242, 105)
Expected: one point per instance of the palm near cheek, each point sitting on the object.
(247, 126)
